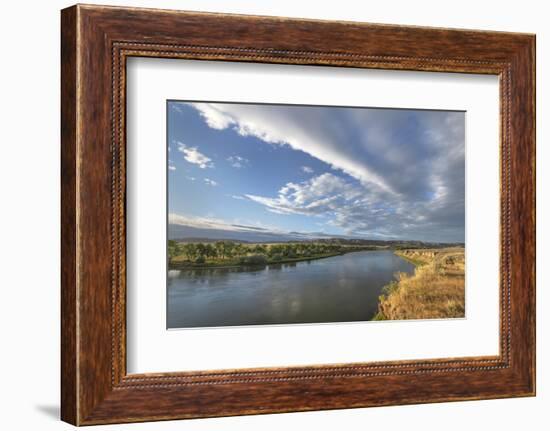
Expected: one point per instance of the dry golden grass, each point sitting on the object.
(436, 290)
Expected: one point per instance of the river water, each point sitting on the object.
(336, 289)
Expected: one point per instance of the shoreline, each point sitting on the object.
(188, 266)
(417, 263)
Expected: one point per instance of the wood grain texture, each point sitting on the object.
(69, 366)
(96, 41)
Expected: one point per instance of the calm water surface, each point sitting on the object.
(336, 289)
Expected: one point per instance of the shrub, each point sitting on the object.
(200, 259)
(255, 259)
(389, 288)
(379, 316)
(277, 257)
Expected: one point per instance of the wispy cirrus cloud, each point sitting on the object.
(238, 161)
(209, 223)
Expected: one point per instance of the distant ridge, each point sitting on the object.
(208, 240)
(184, 233)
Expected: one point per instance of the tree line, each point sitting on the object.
(226, 250)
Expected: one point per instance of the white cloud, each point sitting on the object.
(317, 196)
(238, 161)
(194, 156)
(277, 126)
(172, 168)
(210, 182)
(355, 209)
(307, 169)
(215, 117)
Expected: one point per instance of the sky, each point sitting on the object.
(337, 171)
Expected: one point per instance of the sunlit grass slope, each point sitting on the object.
(434, 291)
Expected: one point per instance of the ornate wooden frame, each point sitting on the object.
(95, 43)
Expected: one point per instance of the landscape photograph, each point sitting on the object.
(303, 214)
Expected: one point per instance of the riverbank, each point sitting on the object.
(237, 264)
(434, 291)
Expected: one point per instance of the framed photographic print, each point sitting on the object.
(279, 214)
(267, 215)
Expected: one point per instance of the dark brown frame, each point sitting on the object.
(95, 43)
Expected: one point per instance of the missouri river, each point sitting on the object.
(336, 289)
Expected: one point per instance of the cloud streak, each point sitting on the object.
(224, 225)
(304, 132)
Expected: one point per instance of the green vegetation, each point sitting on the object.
(228, 253)
(434, 291)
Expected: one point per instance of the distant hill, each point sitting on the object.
(244, 234)
(209, 240)
(185, 233)
(392, 243)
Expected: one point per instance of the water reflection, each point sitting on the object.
(337, 289)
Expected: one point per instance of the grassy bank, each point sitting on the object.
(435, 290)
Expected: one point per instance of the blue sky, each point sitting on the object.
(361, 172)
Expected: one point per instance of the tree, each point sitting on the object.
(190, 250)
(240, 250)
(274, 249)
(201, 250)
(210, 251)
(259, 249)
(220, 250)
(228, 248)
(288, 250)
(173, 249)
